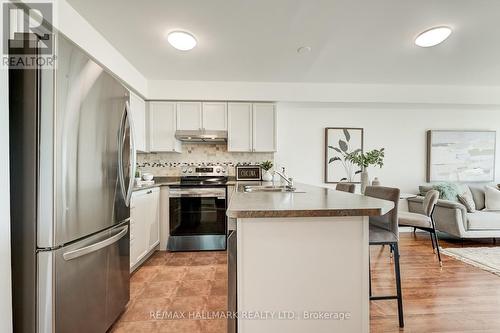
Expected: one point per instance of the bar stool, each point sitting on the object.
(384, 231)
(346, 187)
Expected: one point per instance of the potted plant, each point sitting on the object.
(364, 160)
(266, 175)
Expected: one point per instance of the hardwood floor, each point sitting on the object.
(455, 298)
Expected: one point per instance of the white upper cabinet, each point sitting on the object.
(251, 127)
(264, 127)
(138, 115)
(162, 126)
(239, 127)
(189, 116)
(194, 116)
(214, 116)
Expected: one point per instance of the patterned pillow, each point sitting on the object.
(448, 191)
(467, 200)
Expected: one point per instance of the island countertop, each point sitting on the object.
(309, 201)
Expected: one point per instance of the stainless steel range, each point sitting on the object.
(198, 210)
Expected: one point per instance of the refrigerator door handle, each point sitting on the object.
(96, 246)
(121, 138)
(133, 155)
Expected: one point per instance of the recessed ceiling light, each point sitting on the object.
(433, 36)
(181, 40)
(304, 49)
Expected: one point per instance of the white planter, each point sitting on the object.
(365, 181)
(267, 176)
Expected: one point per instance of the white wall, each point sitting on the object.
(322, 92)
(400, 128)
(5, 268)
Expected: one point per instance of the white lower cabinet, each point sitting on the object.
(144, 223)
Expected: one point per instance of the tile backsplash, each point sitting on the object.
(168, 164)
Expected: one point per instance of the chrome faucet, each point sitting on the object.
(288, 180)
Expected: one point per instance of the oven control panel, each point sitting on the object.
(218, 170)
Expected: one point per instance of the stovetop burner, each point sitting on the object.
(204, 176)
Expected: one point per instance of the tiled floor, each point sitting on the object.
(177, 284)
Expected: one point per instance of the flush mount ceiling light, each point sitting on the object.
(433, 36)
(181, 40)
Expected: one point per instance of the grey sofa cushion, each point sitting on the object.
(467, 200)
(484, 220)
(478, 194)
(477, 190)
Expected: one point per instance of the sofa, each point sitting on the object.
(452, 217)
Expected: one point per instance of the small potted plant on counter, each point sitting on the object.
(374, 157)
(266, 175)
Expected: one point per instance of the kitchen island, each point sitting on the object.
(302, 260)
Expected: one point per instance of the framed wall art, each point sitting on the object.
(461, 156)
(339, 142)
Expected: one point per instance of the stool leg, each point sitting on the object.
(437, 248)
(436, 239)
(398, 285)
(432, 242)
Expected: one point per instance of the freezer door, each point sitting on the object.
(91, 282)
(91, 134)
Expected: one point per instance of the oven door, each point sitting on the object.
(197, 218)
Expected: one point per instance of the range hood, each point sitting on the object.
(201, 136)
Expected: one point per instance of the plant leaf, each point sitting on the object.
(334, 159)
(343, 179)
(336, 149)
(347, 135)
(343, 145)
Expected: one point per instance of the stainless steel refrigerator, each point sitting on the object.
(72, 165)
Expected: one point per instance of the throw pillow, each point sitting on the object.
(423, 189)
(448, 191)
(492, 198)
(467, 200)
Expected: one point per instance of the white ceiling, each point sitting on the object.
(353, 41)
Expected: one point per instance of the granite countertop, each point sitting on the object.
(160, 181)
(314, 201)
